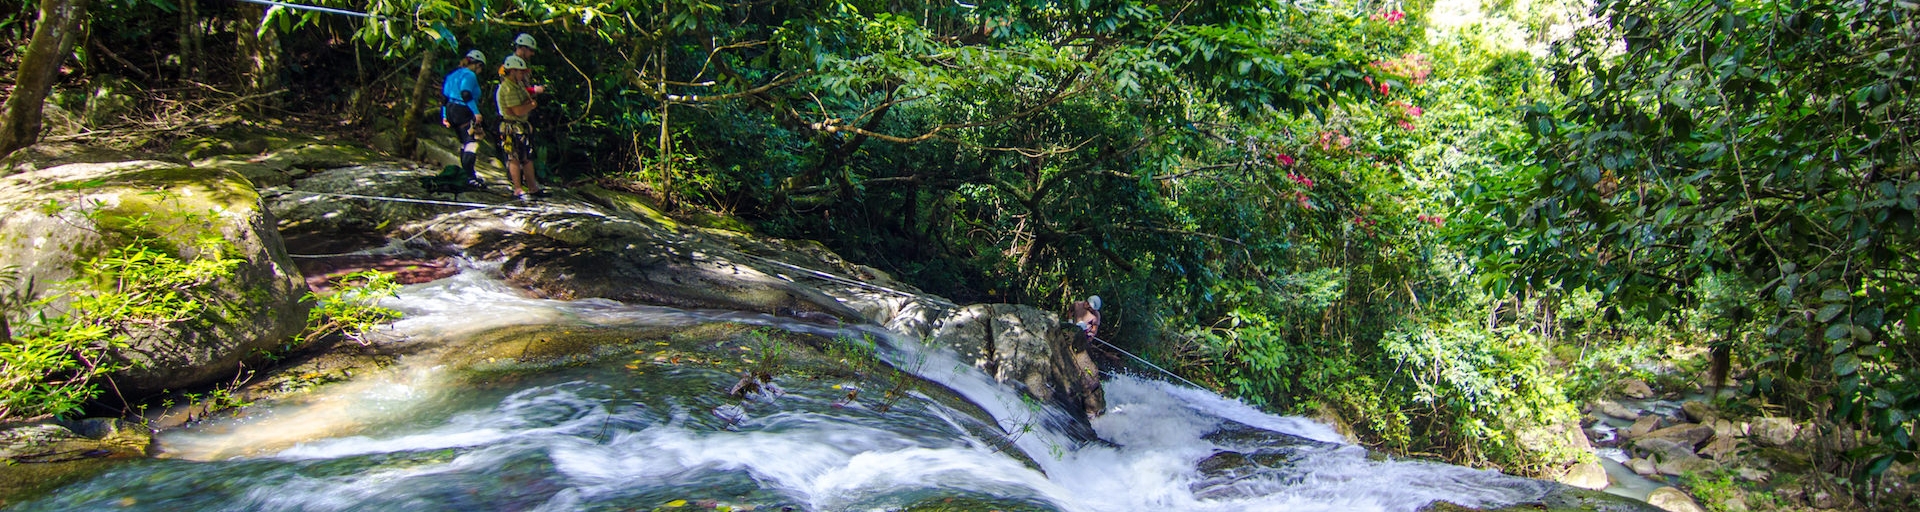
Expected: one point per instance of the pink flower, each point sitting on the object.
(1300, 180)
(1408, 125)
(1414, 110)
(1391, 17)
(1283, 160)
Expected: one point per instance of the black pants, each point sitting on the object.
(461, 119)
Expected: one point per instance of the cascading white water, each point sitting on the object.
(589, 440)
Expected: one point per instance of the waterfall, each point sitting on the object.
(603, 436)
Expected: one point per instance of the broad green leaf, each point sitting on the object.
(1845, 365)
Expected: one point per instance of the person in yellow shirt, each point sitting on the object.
(516, 102)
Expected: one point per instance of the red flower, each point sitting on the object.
(1283, 160)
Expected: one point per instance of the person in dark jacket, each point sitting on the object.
(461, 111)
(1086, 315)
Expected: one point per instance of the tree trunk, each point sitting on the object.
(53, 39)
(190, 40)
(260, 43)
(410, 121)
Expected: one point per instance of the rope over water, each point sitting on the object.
(1145, 362)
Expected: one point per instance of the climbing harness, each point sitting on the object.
(1145, 362)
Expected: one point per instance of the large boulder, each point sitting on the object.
(1615, 409)
(1636, 389)
(1671, 456)
(1726, 444)
(53, 220)
(1690, 433)
(1026, 348)
(1585, 475)
(1700, 411)
(1642, 467)
(1641, 427)
(1773, 431)
(1562, 448)
(1672, 500)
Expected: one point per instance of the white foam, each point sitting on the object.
(599, 448)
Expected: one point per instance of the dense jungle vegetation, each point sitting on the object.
(1447, 237)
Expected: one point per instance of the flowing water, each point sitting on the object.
(605, 436)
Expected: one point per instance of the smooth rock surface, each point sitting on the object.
(1672, 500)
(1636, 388)
(1585, 475)
(1690, 433)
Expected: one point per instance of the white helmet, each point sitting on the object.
(476, 56)
(1094, 301)
(525, 40)
(514, 62)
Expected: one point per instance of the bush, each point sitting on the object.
(1482, 391)
(50, 368)
(353, 308)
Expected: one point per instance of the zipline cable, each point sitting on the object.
(316, 8)
(421, 201)
(1145, 362)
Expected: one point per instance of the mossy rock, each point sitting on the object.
(47, 155)
(38, 457)
(628, 205)
(1560, 499)
(58, 218)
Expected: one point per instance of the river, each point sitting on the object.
(610, 434)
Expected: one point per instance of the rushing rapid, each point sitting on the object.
(604, 436)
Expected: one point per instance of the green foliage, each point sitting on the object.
(1718, 488)
(352, 308)
(1485, 389)
(860, 354)
(771, 352)
(1763, 148)
(50, 367)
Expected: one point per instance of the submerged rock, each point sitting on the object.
(1250, 461)
(38, 456)
(44, 442)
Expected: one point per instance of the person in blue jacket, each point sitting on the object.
(462, 111)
